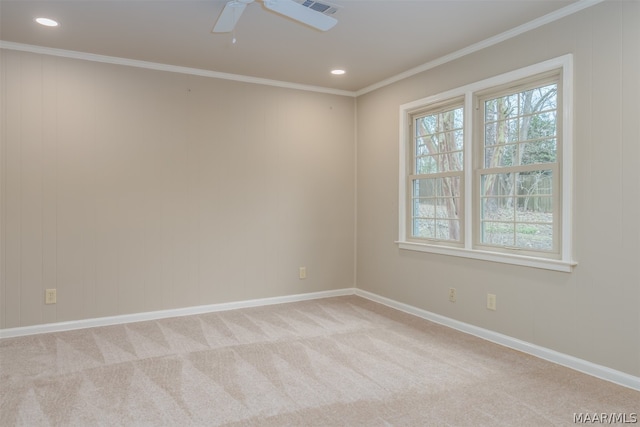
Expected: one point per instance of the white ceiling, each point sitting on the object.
(374, 40)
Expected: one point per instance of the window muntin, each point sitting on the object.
(438, 165)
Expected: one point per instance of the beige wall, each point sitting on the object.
(132, 190)
(592, 313)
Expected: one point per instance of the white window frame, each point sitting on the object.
(564, 263)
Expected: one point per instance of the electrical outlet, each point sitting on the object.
(302, 273)
(491, 302)
(452, 294)
(50, 296)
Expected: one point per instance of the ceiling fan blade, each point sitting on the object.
(301, 13)
(229, 17)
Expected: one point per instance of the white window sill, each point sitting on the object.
(527, 261)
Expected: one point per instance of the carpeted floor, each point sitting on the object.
(342, 361)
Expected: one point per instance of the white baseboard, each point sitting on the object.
(163, 314)
(562, 359)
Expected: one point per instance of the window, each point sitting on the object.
(486, 169)
(436, 196)
(517, 171)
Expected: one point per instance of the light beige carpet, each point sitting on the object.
(342, 361)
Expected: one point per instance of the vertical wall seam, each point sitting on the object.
(56, 181)
(42, 192)
(21, 191)
(355, 192)
(3, 136)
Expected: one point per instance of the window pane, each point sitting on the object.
(527, 119)
(426, 125)
(540, 125)
(502, 132)
(439, 141)
(505, 107)
(424, 187)
(447, 227)
(497, 233)
(448, 207)
(534, 236)
(424, 228)
(459, 139)
(516, 210)
(534, 208)
(500, 184)
(534, 183)
(424, 208)
(490, 110)
(422, 147)
(446, 190)
(450, 186)
(450, 162)
(499, 156)
(543, 98)
(513, 131)
(447, 230)
(491, 133)
(458, 118)
(436, 208)
(425, 165)
(447, 141)
(541, 151)
(497, 209)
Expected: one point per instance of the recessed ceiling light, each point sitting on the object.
(338, 72)
(46, 22)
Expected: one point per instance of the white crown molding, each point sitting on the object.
(543, 20)
(580, 365)
(170, 68)
(553, 16)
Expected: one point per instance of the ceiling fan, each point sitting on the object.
(308, 12)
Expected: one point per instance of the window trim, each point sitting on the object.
(564, 263)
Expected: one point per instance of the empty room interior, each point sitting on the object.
(201, 225)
